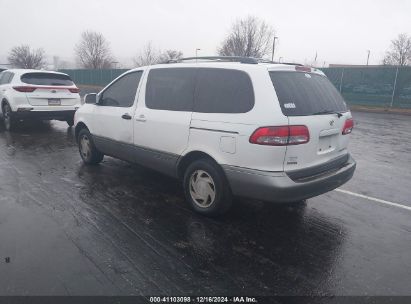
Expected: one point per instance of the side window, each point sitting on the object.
(171, 89)
(10, 77)
(4, 77)
(122, 92)
(223, 91)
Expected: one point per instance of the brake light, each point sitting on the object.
(25, 89)
(348, 126)
(74, 90)
(302, 68)
(280, 136)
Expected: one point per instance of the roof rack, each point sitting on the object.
(240, 59)
(291, 63)
(248, 60)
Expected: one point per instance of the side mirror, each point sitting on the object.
(90, 98)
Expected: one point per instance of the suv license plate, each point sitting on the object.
(54, 102)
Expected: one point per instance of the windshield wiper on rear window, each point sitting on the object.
(328, 112)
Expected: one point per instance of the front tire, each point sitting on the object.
(206, 188)
(8, 117)
(87, 149)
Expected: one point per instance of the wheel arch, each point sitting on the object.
(188, 158)
(79, 126)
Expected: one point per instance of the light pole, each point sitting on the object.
(368, 56)
(272, 57)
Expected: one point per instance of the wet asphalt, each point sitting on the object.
(120, 229)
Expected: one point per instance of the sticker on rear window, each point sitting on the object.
(307, 75)
(289, 105)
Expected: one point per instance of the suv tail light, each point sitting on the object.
(280, 136)
(348, 126)
(74, 90)
(25, 89)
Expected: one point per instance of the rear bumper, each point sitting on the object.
(45, 115)
(279, 187)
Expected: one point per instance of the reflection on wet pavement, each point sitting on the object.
(118, 229)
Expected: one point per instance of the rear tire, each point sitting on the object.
(70, 122)
(87, 149)
(8, 119)
(206, 188)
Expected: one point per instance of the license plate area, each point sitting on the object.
(327, 144)
(54, 102)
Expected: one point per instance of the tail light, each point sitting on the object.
(25, 89)
(348, 126)
(280, 136)
(302, 68)
(74, 90)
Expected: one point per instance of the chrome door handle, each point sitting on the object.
(141, 118)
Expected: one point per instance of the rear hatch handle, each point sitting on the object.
(328, 112)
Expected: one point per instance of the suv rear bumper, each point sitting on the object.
(279, 187)
(44, 115)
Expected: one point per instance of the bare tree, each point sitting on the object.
(150, 55)
(25, 58)
(400, 51)
(147, 56)
(170, 55)
(93, 51)
(250, 37)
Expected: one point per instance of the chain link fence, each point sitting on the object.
(373, 86)
(369, 86)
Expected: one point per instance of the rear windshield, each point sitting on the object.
(306, 93)
(48, 79)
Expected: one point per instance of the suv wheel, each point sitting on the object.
(8, 117)
(87, 149)
(206, 188)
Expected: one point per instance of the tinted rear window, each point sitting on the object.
(170, 89)
(223, 91)
(305, 93)
(48, 79)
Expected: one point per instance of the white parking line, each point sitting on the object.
(374, 199)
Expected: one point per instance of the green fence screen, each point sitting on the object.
(371, 86)
(94, 77)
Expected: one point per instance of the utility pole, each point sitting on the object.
(368, 56)
(272, 57)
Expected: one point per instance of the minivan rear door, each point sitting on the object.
(311, 100)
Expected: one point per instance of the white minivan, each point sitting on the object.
(225, 126)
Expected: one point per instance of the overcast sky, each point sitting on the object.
(341, 31)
